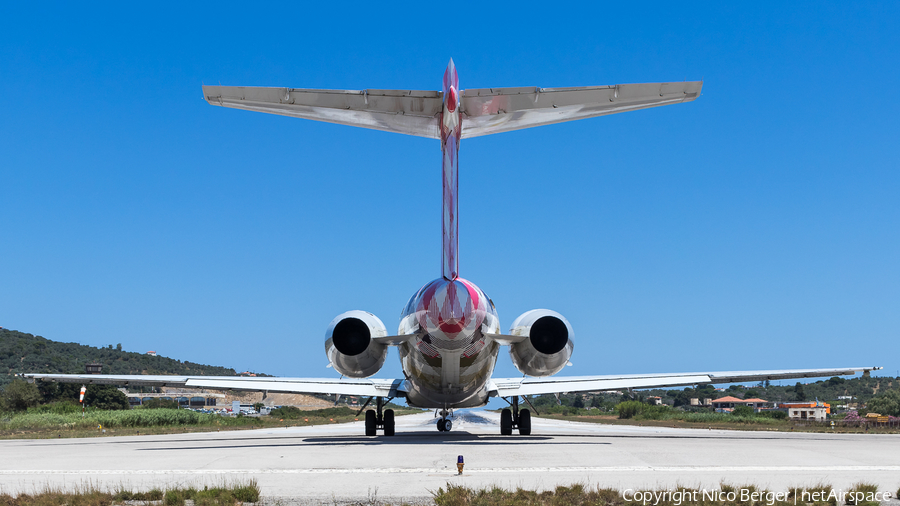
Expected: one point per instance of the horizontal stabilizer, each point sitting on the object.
(484, 111)
(402, 111)
(495, 110)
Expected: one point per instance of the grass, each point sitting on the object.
(456, 495)
(223, 495)
(861, 494)
(715, 421)
(580, 495)
(47, 424)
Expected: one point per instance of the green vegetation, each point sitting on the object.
(292, 413)
(743, 411)
(580, 495)
(25, 353)
(858, 494)
(642, 411)
(223, 495)
(457, 495)
(38, 419)
(887, 403)
(319, 415)
(20, 395)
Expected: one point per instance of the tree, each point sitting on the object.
(258, 406)
(887, 403)
(799, 394)
(20, 395)
(578, 403)
(119, 347)
(834, 381)
(105, 397)
(751, 394)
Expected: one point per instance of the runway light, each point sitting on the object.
(460, 464)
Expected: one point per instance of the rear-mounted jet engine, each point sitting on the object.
(350, 346)
(548, 347)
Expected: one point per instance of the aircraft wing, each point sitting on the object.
(553, 385)
(494, 110)
(362, 387)
(408, 112)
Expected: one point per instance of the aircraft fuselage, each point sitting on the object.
(449, 361)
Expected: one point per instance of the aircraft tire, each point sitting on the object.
(371, 424)
(524, 422)
(389, 422)
(506, 422)
(440, 424)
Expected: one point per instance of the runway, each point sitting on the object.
(337, 461)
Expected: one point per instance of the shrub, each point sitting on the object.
(629, 409)
(285, 412)
(744, 411)
(290, 412)
(653, 412)
(57, 408)
(773, 414)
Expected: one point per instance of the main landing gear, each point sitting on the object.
(515, 418)
(378, 419)
(444, 424)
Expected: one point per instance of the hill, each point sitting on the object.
(21, 353)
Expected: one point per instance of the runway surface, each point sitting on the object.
(337, 461)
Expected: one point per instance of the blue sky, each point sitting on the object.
(755, 228)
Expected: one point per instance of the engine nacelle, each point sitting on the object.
(350, 347)
(549, 345)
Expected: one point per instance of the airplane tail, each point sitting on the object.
(452, 115)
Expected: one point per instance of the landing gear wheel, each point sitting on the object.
(389, 422)
(506, 422)
(448, 425)
(525, 422)
(371, 423)
(440, 425)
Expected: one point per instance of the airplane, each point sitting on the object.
(449, 334)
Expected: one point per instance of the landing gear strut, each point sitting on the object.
(380, 418)
(515, 418)
(445, 424)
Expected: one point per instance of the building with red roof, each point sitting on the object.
(728, 403)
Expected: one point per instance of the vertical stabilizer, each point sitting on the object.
(450, 123)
